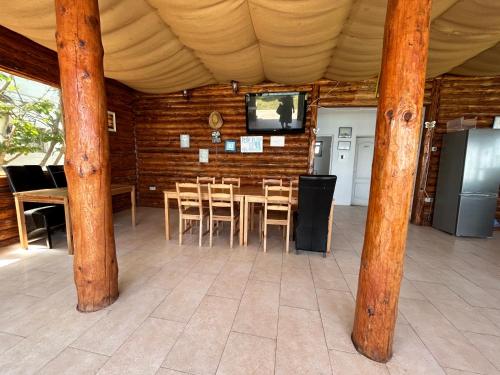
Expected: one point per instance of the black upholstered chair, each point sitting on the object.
(58, 176)
(41, 218)
(311, 223)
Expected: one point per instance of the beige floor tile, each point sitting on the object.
(169, 276)
(410, 356)
(209, 266)
(247, 354)
(199, 348)
(450, 371)
(258, 311)
(108, 334)
(231, 281)
(326, 274)
(492, 314)
(355, 364)
(74, 362)
(166, 371)
(447, 344)
(182, 302)
(488, 345)
(337, 314)
(43, 345)
(145, 350)
(8, 341)
(297, 288)
(301, 347)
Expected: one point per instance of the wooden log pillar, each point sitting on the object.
(402, 81)
(314, 105)
(431, 115)
(87, 165)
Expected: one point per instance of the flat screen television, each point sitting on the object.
(283, 112)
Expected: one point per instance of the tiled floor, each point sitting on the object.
(190, 310)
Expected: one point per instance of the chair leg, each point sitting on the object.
(49, 238)
(181, 228)
(201, 231)
(287, 238)
(231, 234)
(211, 230)
(265, 235)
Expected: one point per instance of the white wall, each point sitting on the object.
(362, 121)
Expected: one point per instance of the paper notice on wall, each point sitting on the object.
(277, 141)
(203, 155)
(252, 144)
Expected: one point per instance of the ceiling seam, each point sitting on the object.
(181, 42)
(258, 41)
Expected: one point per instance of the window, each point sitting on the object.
(31, 129)
(318, 148)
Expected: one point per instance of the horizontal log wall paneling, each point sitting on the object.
(461, 96)
(160, 119)
(23, 57)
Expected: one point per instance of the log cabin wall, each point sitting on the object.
(160, 119)
(461, 96)
(23, 57)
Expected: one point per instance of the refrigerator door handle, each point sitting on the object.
(487, 195)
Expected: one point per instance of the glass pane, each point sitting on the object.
(31, 128)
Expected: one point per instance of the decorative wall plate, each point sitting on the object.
(215, 120)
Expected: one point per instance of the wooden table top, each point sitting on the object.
(59, 194)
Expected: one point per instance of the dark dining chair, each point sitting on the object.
(41, 219)
(315, 200)
(58, 176)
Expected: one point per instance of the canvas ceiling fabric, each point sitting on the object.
(161, 46)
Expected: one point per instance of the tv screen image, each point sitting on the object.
(276, 112)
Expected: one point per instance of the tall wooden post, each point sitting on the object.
(314, 104)
(431, 115)
(87, 165)
(399, 115)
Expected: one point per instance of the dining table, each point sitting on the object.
(60, 196)
(244, 196)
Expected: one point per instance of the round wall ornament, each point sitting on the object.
(215, 120)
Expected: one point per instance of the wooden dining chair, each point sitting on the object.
(205, 180)
(222, 208)
(190, 208)
(256, 208)
(235, 181)
(277, 211)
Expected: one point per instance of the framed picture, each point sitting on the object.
(252, 144)
(345, 132)
(344, 145)
(318, 148)
(230, 145)
(496, 122)
(203, 155)
(111, 121)
(184, 140)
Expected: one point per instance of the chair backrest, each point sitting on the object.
(57, 174)
(221, 195)
(271, 182)
(294, 183)
(205, 180)
(315, 198)
(26, 177)
(277, 198)
(236, 181)
(188, 196)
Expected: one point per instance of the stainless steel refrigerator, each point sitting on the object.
(467, 185)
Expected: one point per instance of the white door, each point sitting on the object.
(362, 171)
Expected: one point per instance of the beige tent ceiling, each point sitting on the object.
(168, 45)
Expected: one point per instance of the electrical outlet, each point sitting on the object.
(428, 200)
(152, 187)
(434, 148)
